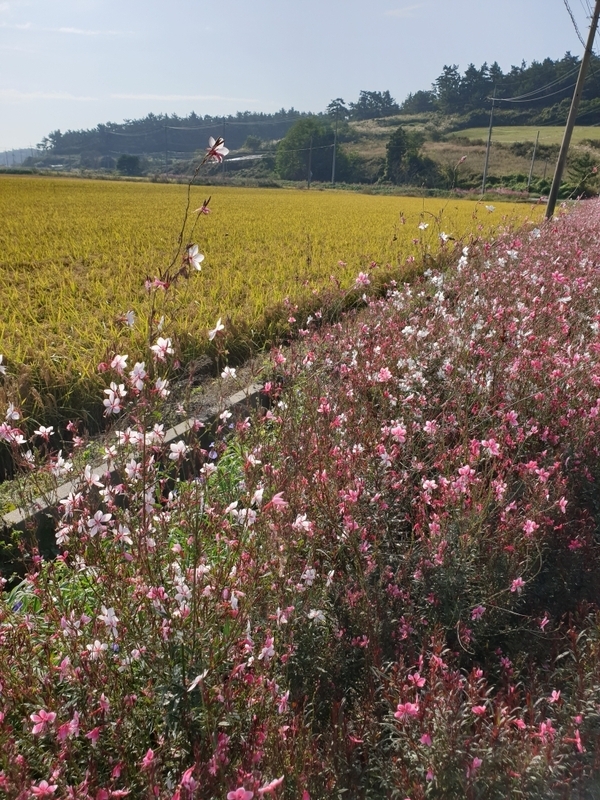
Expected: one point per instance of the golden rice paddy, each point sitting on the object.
(74, 256)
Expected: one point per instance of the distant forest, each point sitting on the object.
(536, 94)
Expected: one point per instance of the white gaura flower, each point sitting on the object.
(193, 257)
(178, 450)
(216, 150)
(162, 348)
(218, 327)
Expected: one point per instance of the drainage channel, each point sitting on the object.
(39, 517)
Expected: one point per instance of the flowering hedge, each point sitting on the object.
(385, 585)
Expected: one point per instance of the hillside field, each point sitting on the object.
(552, 134)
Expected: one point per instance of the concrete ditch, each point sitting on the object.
(39, 517)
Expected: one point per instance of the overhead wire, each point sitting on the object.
(573, 20)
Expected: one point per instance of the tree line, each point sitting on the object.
(541, 85)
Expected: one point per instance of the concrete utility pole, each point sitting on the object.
(310, 160)
(166, 150)
(489, 144)
(537, 138)
(564, 148)
(337, 111)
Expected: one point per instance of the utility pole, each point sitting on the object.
(166, 151)
(223, 137)
(537, 138)
(564, 148)
(489, 144)
(309, 177)
(337, 111)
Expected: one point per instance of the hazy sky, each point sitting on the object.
(71, 64)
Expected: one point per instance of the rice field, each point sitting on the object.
(74, 256)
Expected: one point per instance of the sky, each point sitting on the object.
(71, 64)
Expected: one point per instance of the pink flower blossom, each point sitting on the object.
(479, 711)
(477, 612)
(41, 719)
(43, 789)
(517, 585)
(240, 794)
(93, 735)
(417, 680)
(398, 432)
(406, 711)
(269, 788)
(473, 766)
(529, 526)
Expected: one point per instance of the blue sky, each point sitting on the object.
(71, 64)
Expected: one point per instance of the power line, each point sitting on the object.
(579, 36)
(533, 99)
(519, 97)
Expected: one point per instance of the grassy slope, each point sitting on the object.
(369, 139)
(552, 134)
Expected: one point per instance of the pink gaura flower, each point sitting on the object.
(41, 720)
(529, 526)
(399, 433)
(417, 680)
(491, 445)
(269, 788)
(43, 789)
(479, 711)
(187, 781)
(406, 711)
(517, 585)
(473, 766)
(477, 612)
(93, 735)
(277, 502)
(576, 740)
(148, 759)
(426, 740)
(362, 279)
(240, 794)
